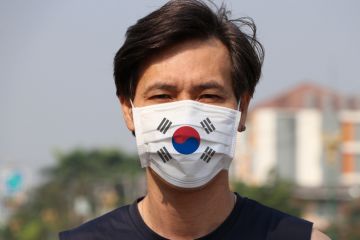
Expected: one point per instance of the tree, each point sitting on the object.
(83, 184)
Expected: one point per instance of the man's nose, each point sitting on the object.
(185, 95)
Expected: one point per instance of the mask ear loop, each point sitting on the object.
(242, 128)
(132, 107)
(132, 104)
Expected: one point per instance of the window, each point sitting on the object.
(357, 162)
(357, 132)
(286, 146)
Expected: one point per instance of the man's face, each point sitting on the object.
(198, 70)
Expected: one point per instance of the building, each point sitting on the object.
(309, 135)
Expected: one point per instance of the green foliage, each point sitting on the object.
(277, 195)
(105, 179)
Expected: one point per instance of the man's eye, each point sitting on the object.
(160, 96)
(209, 96)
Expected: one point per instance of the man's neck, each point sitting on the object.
(186, 214)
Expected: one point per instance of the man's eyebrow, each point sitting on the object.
(208, 85)
(172, 88)
(160, 86)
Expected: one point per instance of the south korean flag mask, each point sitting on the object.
(186, 143)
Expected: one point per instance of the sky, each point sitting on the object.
(56, 87)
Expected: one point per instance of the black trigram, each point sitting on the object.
(164, 154)
(207, 125)
(208, 154)
(164, 125)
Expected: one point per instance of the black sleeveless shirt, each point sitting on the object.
(249, 220)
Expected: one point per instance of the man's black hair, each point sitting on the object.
(181, 20)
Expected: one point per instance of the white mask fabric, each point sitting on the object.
(187, 143)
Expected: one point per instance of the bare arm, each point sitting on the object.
(317, 235)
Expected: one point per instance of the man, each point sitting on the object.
(184, 77)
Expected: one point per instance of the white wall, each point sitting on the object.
(309, 148)
(264, 129)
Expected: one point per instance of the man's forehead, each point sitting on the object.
(189, 47)
(192, 66)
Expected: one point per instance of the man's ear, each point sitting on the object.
(244, 105)
(127, 113)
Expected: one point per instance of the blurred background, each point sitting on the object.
(66, 155)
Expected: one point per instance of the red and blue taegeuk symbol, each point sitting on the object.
(186, 140)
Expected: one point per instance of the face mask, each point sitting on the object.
(186, 143)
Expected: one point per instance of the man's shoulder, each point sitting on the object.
(285, 226)
(115, 221)
(277, 224)
(259, 208)
(261, 211)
